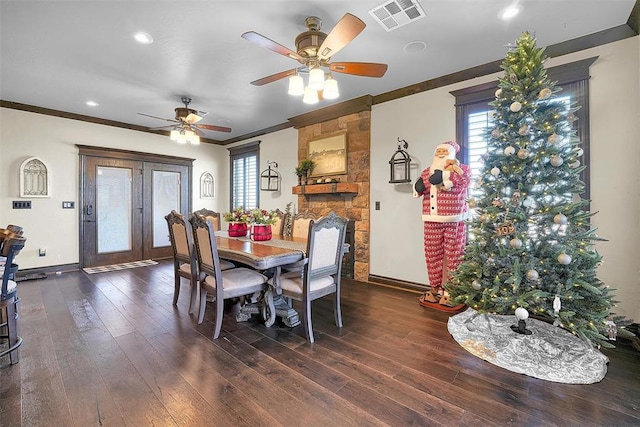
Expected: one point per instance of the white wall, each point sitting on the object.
(426, 119)
(423, 120)
(53, 139)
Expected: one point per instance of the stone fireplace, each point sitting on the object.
(353, 205)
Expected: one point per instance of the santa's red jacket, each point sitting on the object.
(440, 204)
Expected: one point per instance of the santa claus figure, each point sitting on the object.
(443, 188)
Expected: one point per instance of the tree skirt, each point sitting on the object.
(549, 353)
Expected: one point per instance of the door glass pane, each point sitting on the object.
(166, 197)
(114, 209)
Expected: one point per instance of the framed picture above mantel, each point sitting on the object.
(329, 154)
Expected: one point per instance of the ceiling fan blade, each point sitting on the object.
(274, 77)
(265, 42)
(212, 127)
(163, 127)
(159, 118)
(367, 69)
(345, 30)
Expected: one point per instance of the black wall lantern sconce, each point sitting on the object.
(270, 177)
(400, 164)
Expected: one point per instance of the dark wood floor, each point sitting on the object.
(110, 349)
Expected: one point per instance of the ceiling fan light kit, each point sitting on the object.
(314, 51)
(296, 85)
(187, 130)
(310, 96)
(184, 136)
(330, 88)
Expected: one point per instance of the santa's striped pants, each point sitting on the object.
(443, 239)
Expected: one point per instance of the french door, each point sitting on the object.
(124, 201)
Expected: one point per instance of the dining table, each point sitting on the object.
(264, 256)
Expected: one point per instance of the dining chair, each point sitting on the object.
(213, 216)
(223, 284)
(9, 298)
(300, 226)
(184, 259)
(185, 263)
(5, 235)
(321, 270)
(277, 227)
(15, 228)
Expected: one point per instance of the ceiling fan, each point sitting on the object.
(187, 119)
(315, 49)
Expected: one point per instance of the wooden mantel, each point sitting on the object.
(348, 188)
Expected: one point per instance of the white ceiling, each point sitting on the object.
(59, 54)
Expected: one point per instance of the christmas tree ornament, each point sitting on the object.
(612, 330)
(505, 229)
(523, 153)
(556, 161)
(495, 133)
(524, 130)
(553, 138)
(497, 202)
(521, 328)
(476, 285)
(495, 171)
(509, 151)
(544, 93)
(515, 243)
(575, 164)
(528, 202)
(564, 259)
(532, 275)
(557, 305)
(515, 198)
(560, 219)
(515, 107)
(498, 93)
(579, 152)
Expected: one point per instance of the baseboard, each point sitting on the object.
(397, 283)
(50, 269)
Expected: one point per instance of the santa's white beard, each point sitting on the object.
(437, 163)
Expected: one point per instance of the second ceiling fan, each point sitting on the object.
(314, 52)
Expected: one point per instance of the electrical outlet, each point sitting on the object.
(42, 252)
(377, 206)
(68, 205)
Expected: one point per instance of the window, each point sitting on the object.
(244, 176)
(473, 115)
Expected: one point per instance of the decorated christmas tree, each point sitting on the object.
(530, 238)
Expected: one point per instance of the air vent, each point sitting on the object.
(398, 13)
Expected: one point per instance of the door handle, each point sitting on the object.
(88, 210)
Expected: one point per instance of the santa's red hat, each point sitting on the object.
(450, 146)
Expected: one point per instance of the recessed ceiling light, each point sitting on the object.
(414, 46)
(510, 11)
(142, 37)
(92, 103)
